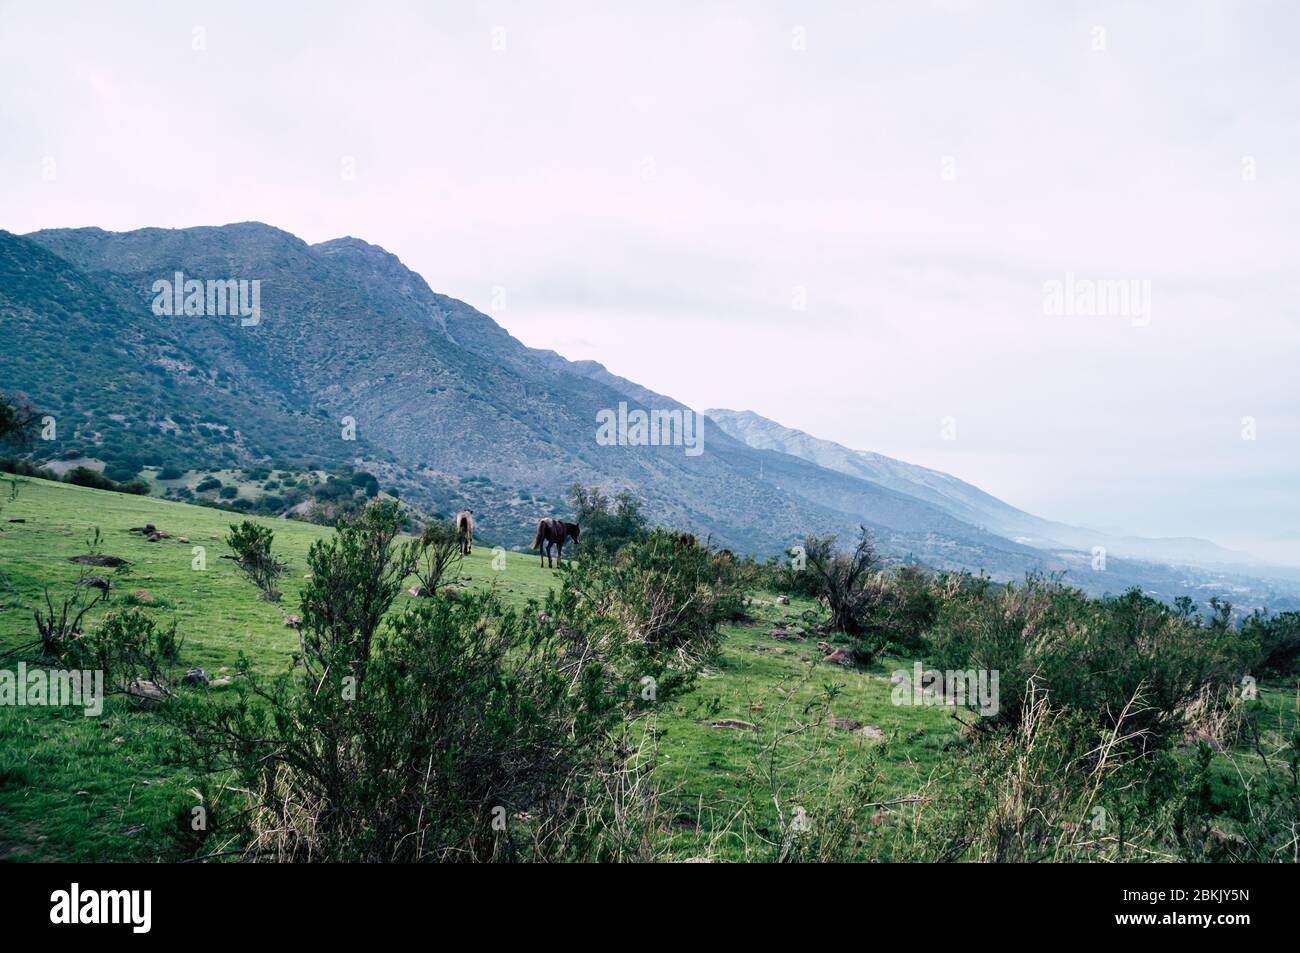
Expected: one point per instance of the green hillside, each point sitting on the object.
(73, 787)
(768, 721)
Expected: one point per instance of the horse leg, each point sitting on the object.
(559, 551)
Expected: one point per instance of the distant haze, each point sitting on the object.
(841, 216)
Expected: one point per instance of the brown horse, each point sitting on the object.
(465, 531)
(553, 532)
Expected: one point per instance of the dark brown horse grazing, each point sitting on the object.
(553, 532)
(686, 540)
(465, 531)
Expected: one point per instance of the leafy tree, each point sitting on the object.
(607, 525)
(251, 544)
(355, 576)
(16, 421)
(842, 582)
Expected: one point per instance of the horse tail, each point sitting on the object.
(537, 540)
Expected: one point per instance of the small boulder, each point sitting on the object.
(293, 621)
(783, 600)
(146, 692)
(869, 731)
(845, 724)
(195, 676)
(839, 657)
(416, 591)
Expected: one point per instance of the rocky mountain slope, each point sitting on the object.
(444, 404)
(961, 499)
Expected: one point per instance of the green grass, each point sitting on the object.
(79, 788)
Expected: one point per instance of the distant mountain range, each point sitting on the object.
(966, 502)
(452, 411)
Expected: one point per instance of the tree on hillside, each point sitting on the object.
(606, 524)
(440, 554)
(16, 421)
(251, 545)
(842, 579)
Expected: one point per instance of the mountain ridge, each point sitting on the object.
(963, 499)
(449, 408)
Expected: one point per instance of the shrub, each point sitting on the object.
(251, 544)
(465, 730)
(1092, 656)
(85, 476)
(122, 471)
(651, 610)
(1053, 787)
(130, 647)
(910, 607)
(355, 576)
(793, 577)
(607, 525)
(440, 552)
(1278, 638)
(853, 592)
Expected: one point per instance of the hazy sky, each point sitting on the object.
(839, 215)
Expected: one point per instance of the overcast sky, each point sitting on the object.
(839, 215)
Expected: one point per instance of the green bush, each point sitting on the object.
(85, 476)
(607, 525)
(1278, 637)
(128, 645)
(1092, 656)
(458, 730)
(251, 545)
(652, 607)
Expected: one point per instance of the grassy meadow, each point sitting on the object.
(84, 788)
(749, 733)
